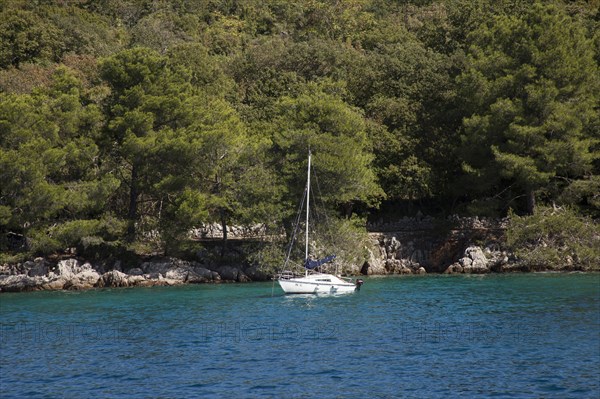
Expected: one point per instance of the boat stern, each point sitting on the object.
(359, 283)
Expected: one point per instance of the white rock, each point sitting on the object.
(465, 262)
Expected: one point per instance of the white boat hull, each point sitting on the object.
(319, 284)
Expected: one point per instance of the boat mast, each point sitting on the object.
(307, 211)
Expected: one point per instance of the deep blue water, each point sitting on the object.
(529, 335)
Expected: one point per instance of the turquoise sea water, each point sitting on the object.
(530, 336)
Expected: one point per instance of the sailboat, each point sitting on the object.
(313, 281)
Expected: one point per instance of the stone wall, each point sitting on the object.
(425, 244)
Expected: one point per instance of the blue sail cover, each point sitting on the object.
(311, 264)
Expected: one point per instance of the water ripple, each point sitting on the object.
(414, 337)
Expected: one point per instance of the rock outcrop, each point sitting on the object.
(478, 261)
(72, 274)
(425, 244)
(392, 256)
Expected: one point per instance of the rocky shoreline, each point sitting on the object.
(73, 274)
(418, 245)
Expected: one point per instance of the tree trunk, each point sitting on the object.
(348, 206)
(530, 201)
(133, 197)
(224, 227)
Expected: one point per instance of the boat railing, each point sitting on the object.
(286, 275)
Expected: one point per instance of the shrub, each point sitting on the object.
(81, 233)
(555, 238)
(270, 257)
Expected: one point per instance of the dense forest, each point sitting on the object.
(123, 121)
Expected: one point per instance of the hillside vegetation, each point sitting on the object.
(125, 123)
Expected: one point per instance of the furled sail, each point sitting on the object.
(311, 264)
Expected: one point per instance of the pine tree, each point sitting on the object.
(531, 91)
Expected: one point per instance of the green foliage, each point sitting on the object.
(49, 160)
(12, 259)
(75, 233)
(25, 36)
(584, 194)
(161, 30)
(145, 107)
(270, 257)
(531, 87)
(406, 89)
(83, 32)
(555, 238)
(171, 114)
(336, 134)
(204, 71)
(347, 239)
(258, 192)
(185, 211)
